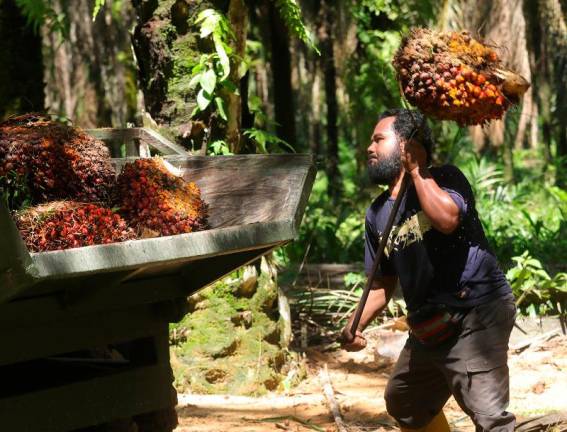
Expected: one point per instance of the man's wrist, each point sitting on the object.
(419, 171)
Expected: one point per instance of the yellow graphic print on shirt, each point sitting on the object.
(410, 231)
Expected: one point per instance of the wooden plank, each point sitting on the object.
(166, 147)
(38, 311)
(41, 311)
(306, 185)
(28, 341)
(118, 134)
(132, 148)
(244, 189)
(131, 136)
(91, 402)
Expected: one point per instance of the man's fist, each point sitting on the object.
(350, 344)
(413, 155)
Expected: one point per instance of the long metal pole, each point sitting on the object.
(378, 257)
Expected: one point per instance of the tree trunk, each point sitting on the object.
(326, 37)
(281, 70)
(547, 32)
(501, 23)
(238, 17)
(90, 78)
(554, 30)
(21, 77)
(315, 137)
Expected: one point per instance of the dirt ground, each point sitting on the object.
(538, 385)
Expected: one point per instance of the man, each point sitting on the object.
(460, 306)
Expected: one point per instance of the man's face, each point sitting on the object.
(384, 155)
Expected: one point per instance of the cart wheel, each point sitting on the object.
(157, 421)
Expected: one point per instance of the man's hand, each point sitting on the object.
(357, 344)
(413, 155)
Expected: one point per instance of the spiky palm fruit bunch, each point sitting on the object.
(452, 76)
(157, 202)
(67, 224)
(53, 161)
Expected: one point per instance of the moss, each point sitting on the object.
(266, 294)
(221, 357)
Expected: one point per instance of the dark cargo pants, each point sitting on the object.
(472, 367)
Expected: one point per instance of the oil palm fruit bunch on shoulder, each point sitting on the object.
(452, 76)
(52, 161)
(157, 202)
(68, 224)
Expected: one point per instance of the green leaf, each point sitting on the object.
(208, 81)
(194, 81)
(204, 15)
(220, 106)
(203, 99)
(290, 13)
(223, 57)
(97, 7)
(209, 20)
(220, 147)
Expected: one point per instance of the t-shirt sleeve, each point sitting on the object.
(371, 241)
(454, 182)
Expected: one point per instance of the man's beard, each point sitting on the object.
(385, 170)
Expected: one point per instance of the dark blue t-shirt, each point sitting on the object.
(457, 269)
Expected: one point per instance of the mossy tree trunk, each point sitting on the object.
(167, 46)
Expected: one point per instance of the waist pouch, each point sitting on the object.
(433, 324)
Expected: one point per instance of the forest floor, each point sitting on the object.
(538, 381)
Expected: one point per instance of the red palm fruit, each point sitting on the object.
(58, 161)
(165, 200)
(492, 56)
(60, 225)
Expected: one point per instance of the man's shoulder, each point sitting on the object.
(446, 170)
(450, 176)
(377, 203)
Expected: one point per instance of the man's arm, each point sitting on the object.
(378, 298)
(436, 203)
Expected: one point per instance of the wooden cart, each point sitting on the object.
(57, 308)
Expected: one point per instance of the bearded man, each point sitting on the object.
(460, 306)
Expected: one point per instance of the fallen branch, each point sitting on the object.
(543, 423)
(535, 341)
(330, 395)
(277, 420)
(248, 403)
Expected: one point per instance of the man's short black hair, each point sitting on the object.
(407, 125)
